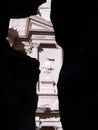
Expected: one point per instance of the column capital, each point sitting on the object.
(34, 43)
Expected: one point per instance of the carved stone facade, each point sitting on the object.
(34, 36)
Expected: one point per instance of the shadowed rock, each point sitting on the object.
(19, 73)
(76, 31)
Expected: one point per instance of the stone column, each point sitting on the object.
(34, 53)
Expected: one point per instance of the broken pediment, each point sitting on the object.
(39, 24)
(25, 30)
(29, 26)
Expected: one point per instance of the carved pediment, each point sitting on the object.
(39, 24)
(34, 25)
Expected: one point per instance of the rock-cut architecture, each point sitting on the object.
(34, 36)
